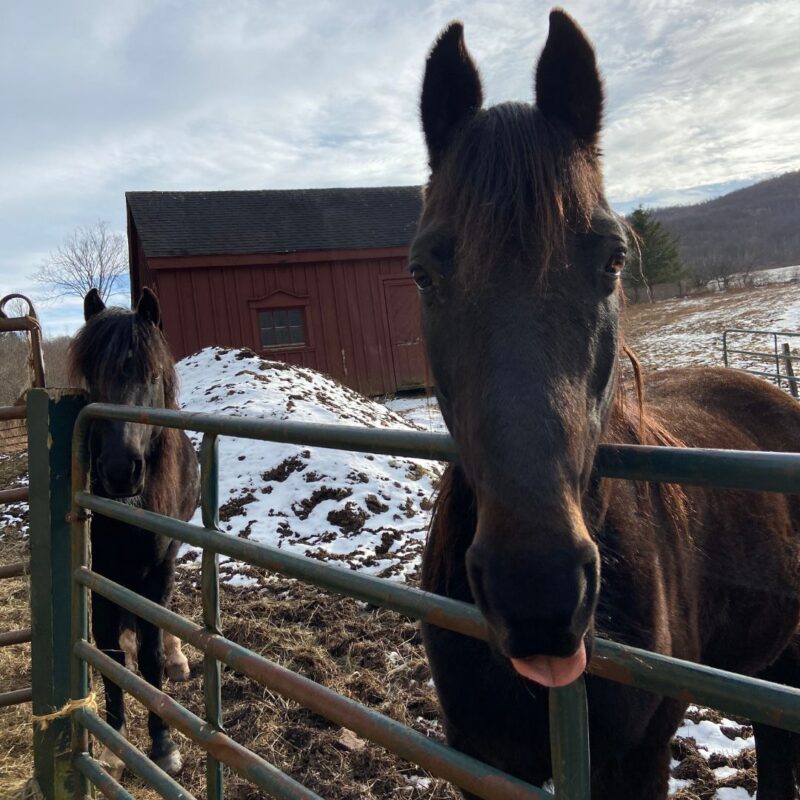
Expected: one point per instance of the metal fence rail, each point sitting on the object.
(759, 700)
(782, 356)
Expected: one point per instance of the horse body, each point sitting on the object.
(518, 259)
(723, 591)
(122, 357)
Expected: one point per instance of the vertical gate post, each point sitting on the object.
(51, 416)
(569, 741)
(212, 678)
(787, 356)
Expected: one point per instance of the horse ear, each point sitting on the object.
(92, 304)
(148, 308)
(568, 84)
(451, 90)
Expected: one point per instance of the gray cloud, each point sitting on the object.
(99, 98)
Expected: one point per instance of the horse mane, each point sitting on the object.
(631, 422)
(98, 354)
(514, 181)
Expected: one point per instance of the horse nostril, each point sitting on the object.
(138, 469)
(590, 575)
(476, 575)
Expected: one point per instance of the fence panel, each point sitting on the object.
(732, 356)
(759, 700)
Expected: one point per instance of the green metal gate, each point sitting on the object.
(62, 576)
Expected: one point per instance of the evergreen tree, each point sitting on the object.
(652, 254)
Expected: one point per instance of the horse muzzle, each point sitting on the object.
(121, 477)
(539, 606)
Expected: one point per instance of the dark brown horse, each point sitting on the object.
(518, 259)
(122, 357)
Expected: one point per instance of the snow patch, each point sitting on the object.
(358, 510)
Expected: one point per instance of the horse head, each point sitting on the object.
(517, 259)
(122, 357)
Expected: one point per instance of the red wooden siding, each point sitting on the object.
(361, 314)
(403, 320)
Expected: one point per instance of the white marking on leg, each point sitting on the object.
(176, 664)
(114, 765)
(129, 645)
(171, 763)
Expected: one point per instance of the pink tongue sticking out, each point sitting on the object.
(552, 671)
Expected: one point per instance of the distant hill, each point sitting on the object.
(756, 227)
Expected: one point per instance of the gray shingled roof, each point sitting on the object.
(274, 221)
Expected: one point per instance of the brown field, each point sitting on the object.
(371, 655)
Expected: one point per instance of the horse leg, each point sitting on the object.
(106, 631)
(176, 664)
(778, 751)
(164, 751)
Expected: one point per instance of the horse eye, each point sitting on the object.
(616, 264)
(421, 278)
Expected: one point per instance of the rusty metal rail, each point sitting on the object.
(15, 697)
(21, 636)
(29, 324)
(12, 412)
(19, 495)
(16, 570)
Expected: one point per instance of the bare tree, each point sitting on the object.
(90, 258)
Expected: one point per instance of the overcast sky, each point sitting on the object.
(99, 98)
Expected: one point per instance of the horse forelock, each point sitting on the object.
(116, 348)
(512, 185)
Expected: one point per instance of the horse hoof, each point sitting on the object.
(178, 670)
(113, 764)
(171, 762)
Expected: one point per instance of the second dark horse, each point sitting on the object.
(122, 357)
(518, 259)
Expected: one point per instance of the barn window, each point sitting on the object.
(282, 327)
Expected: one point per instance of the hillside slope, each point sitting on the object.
(755, 226)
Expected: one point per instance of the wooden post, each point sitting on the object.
(787, 357)
(51, 417)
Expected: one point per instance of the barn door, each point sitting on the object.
(405, 333)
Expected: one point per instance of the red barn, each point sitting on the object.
(313, 277)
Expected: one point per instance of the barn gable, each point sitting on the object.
(314, 277)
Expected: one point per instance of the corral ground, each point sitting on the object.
(372, 655)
